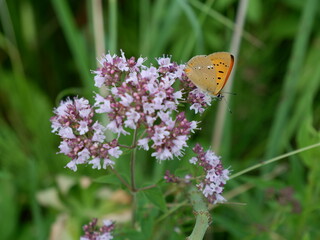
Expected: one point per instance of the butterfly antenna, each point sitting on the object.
(227, 105)
(231, 93)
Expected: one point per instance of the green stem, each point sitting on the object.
(274, 160)
(145, 188)
(121, 179)
(200, 209)
(133, 161)
(132, 168)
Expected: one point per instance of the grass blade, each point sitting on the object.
(277, 140)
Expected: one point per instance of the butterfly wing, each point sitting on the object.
(201, 72)
(223, 63)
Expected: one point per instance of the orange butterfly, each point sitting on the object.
(210, 73)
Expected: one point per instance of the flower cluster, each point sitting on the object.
(140, 97)
(144, 99)
(215, 175)
(169, 137)
(92, 232)
(82, 137)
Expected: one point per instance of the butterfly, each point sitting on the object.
(210, 73)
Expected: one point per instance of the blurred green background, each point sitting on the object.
(47, 49)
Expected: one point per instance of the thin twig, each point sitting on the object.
(125, 146)
(274, 160)
(171, 211)
(147, 187)
(143, 133)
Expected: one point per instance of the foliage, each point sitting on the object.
(47, 49)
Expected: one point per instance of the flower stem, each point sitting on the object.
(201, 212)
(133, 161)
(132, 168)
(121, 178)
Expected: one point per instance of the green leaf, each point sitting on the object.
(308, 135)
(110, 179)
(155, 196)
(8, 208)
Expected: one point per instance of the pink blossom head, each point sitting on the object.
(140, 98)
(144, 97)
(215, 176)
(83, 139)
(93, 232)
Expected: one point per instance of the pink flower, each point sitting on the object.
(93, 232)
(143, 143)
(66, 132)
(96, 163)
(64, 148)
(99, 80)
(215, 176)
(107, 162)
(159, 134)
(126, 100)
(193, 160)
(164, 62)
(102, 104)
(132, 119)
(113, 126)
(162, 154)
(115, 152)
(83, 127)
(82, 138)
(83, 156)
(72, 165)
